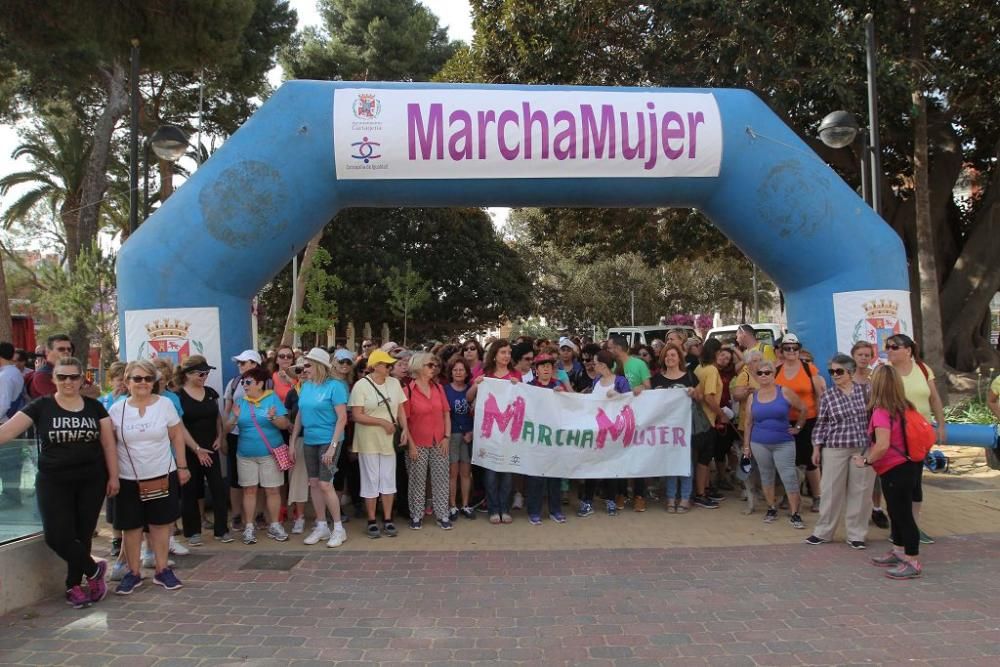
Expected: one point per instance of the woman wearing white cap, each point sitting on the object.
(321, 420)
(245, 361)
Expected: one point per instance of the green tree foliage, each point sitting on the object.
(804, 60)
(320, 311)
(86, 292)
(408, 292)
(366, 40)
(476, 278)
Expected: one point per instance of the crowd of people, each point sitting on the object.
(339, 435)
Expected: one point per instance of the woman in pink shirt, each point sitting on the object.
(428, 417)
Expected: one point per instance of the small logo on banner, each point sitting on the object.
(366, 107)
(364, 150)
(881, 321)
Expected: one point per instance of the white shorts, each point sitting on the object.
(260, 471)
(378, 474)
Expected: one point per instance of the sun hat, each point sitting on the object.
(343, 354)
(380, 357)
(201, 366)
(566, 341)
(543, 359)
(790, 339)
(320, 356)
(248, 355)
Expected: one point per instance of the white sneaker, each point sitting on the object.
(320, 532)
(299, 526)
(118, 570)
(149, 561)
(277, 532)
(338, 538)
(518, 502)
(178, 549)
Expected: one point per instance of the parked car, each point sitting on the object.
(767, 332)
(645, 335)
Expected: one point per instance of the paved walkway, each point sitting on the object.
(706, 588)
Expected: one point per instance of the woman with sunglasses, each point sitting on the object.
(77, 467)
(920, 390)
(428, 418)
(839, 435)
(284, 377)
(321, 420)
(204, 439)
(151, 450)
(900, 477)
(772, 441)
(375, 408)
(807, 383)
(497, 365)
(472, 352)
(245, 361)
(261, 417)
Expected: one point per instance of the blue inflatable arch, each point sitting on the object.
(317, 147)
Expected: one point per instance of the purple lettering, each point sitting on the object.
(531, 117)
(506, 117)
(463, 134)
(606, 136)
(668, 133)
(694, 119)
(679, 438)
(630, 152)
(485, 118)
(564, 144)
(431, 136)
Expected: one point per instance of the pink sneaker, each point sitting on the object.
(76, 598)
(97, 584)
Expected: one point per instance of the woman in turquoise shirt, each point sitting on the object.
(321, 420)
(260, 416)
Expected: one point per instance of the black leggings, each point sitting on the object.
(899, 486)
(194, 489)
(70, 509)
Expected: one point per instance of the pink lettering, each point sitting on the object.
(463, 134)
(430, 136)
(485, 118)
(694, 120)
(667, 133)
(623, 427)
(564, 144)
(606, 135)
(506, 117)
(512, 416)
(532, 118)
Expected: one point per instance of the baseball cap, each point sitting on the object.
(790, 339)
(343, 354)
(543, 359)
(566, 341)
(248, 355)
(380, 357)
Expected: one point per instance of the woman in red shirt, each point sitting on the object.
(428, 418)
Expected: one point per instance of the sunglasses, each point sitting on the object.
(764, 373)
(836, 371)
(431, 365)
(367, 345)
(471, 349)
(70, 376)
(286, 356)
(790, 348)
(345, 361)
(139, 379)
(201, 374)
(893, 347)
(248, 381)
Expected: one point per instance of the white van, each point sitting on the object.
(767, 332)
(645, 335)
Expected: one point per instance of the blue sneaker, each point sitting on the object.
(129, 583)
(558, 517)
(167, 579)
(444, 525)
(415, 524)
(586, 509)
(535, 520)
(612, 508)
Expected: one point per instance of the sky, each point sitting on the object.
(453, 14)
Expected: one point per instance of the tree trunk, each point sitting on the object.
(6, 326)
(932, 345)
(69, 214)
(300, 289)
(95, 180)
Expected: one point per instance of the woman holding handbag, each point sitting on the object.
(261, 454)
(152, 466)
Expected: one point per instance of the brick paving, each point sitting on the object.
(785, 604)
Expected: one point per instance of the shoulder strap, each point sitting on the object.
(253, 417)
(923, 369)
(384, 400)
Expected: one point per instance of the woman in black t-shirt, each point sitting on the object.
(204, 426)
(77, 466)
(673, 374)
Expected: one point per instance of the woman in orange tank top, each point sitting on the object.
(808, 385)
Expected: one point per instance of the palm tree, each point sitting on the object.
(58, 156)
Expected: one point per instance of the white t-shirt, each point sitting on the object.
(234, 392)
(147, 438)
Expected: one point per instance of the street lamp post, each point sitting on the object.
(839, 129)
(169, 142)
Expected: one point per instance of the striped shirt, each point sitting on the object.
(843, 418)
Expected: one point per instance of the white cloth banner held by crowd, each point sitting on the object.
(535, 431)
